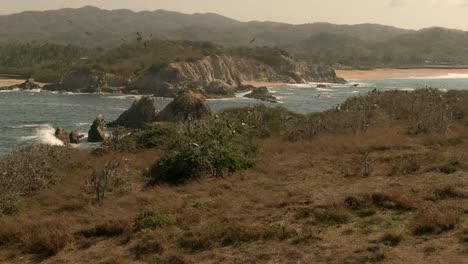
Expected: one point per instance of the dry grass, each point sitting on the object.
(294, 206)
(436, 219)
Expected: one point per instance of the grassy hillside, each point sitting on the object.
(367, 45)
(433, 45)
(90, 26)
(47, 62)
(44, 62)
(363, 185)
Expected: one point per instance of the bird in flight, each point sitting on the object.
(252, 41)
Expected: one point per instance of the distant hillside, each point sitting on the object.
(92, 26)
(432, 45)
(364, 45)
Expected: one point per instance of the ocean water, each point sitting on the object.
(30, 117)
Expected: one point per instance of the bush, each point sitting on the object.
(206, 147)
(33, 168)
(392, 202)
(149, 220)
(47, 238)
(8, 204)
(108, 229)
(436, 220)
(391, 239)
(114, 176)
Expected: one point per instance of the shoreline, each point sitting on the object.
(267, 84)
(388, 73)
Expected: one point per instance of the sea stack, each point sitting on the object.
(141, 113)
(262, 93)
(97, 131)
(188, 105)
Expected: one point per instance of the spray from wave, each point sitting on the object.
(46, 135)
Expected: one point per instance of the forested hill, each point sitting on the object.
(92, 26)
(364, 45)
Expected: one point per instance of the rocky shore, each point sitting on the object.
(216, 76)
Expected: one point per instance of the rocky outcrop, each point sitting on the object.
(86, 80)
(97, 131)
(75, 137)
(219, 88)
(27, 85)
(141, 113)
(262, 93)
(62, 135)
(188, 105)
(153, 85)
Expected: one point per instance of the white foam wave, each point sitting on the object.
(45, 134)
(304, 85)
(27, 138)
(10, 91)
(409, 89)
(441, 77)
(33, 91)
(324, 89)
(27, 126)
(239, 95)
(123, 97)
(82, 124)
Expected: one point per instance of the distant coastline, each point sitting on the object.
(400, 73)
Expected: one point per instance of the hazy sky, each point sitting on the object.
(402, 13)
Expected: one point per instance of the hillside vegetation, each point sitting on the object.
(48, 62)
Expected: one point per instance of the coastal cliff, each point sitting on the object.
(229, 69)
(165, 68)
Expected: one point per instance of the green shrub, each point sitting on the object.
(206, 148)
(195, 162)
(149, 220)
(8, 204)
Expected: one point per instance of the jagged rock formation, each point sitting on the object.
(88, 81)
(188, 105)
(97, 131)
(141, 113)
(262, 93)
(75, 137)
(27, 85)
(208, 72)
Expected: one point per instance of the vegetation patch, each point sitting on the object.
(436, 219)
(149, 220)
(32, 168)
(9, 203)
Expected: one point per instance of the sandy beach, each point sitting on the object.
(396, 73)
(9, 82)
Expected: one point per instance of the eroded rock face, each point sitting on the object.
(262, 93)
(141, 113)
(97, 131)
(216, 73)
(188, 105)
